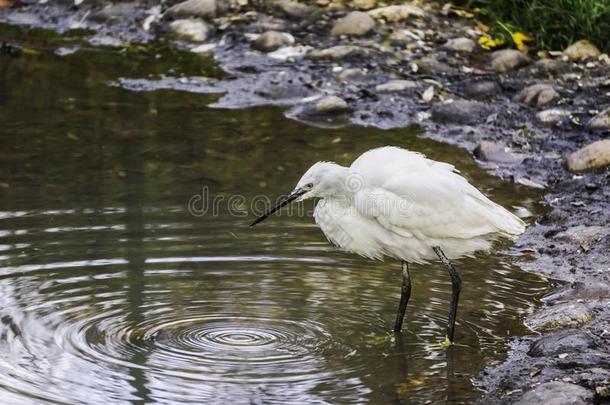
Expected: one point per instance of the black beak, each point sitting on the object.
(280, 203)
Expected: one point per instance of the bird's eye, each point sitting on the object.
(308, 186)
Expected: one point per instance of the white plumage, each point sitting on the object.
(397, 203)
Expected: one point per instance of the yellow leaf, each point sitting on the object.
(520, 38)
(487, 42)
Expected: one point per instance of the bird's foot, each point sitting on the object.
(446, 344)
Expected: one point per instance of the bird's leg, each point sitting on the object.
(456, 284)
(405, 294)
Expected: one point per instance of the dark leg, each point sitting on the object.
(456, 284)
(405, 294)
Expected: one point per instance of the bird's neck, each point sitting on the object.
(342, 184)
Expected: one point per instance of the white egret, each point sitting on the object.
(397, 203)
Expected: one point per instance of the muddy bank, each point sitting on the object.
(522, 116)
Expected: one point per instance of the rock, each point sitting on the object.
(364, 4)
(552, 66)
(432, 66)
(508, 59)
(494, 152)
(591, 290)
(537, 95)
(113, 12)
(395, 86)
(565, 341)
(592, 156)
(568, 314)
(272, 40)
(290, 52)
(397, 13)
(294, 9)
(460, 44)
(190, 29)
(355, 23)
(601, 120)
(460, 112)
(352, 75)
(481, 89)
(331, 105)
(553, 116)
(556, 393)
(403, 37)
(582, 50)
(194, 8)
(338, 52)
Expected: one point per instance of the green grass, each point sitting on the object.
(554, 23)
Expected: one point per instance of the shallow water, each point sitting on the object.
(128, 272)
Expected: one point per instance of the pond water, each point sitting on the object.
(128, 272)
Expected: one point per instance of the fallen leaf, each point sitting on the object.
(534, 372)
(520, 39)
(487, 42)
(6, 3)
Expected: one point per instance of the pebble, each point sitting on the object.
(582, 50)
(601, 120)
(294, 9)
(331, 105)
(495, 152)
(537, 95)
(567, 314)
(364, 4)
(460, 112)
(508, 59)
(355, 23)
(553, 116)
(272, 40)
(556, 393)
(194, 8)
(592, 156)
(397, 13)
(481, 89)
(337, 52)
(462, 44)
(395, 86)
(191, 29)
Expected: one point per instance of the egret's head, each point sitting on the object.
(321, 180)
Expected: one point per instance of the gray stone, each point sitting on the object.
(338, 52)
(352, 75)
(194, 8)
(194, 30)
(582, 50)
(460, 112)
(601, 120)
(461, 45)
(553, 116)
(355, 23)
(272, 40)
(331, 105)
(432, 66)
(508, 59)
(113, 12)
(591, 290)
(494, 152)
(556, 393)
(552, 66)
(592, 156)
(397, 12)
(564, 341)
(537, 95)
(395, 86)
(482, 89)
(294, 9)
(568, 314)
